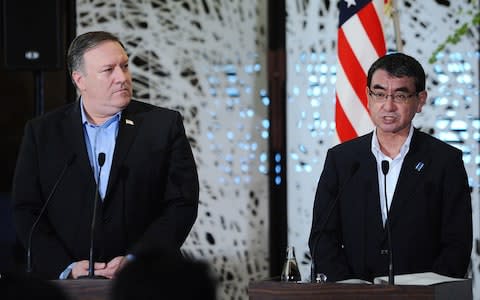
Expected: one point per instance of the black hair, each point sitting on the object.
(399, 65)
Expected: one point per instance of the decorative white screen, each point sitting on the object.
(207, 59)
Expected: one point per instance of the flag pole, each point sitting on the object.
(396, 27)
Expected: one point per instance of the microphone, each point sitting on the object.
(353, 171)
(391, 278)
(91, 268)
(385, 167)
(29, 267)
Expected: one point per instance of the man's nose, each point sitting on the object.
(121, 75)
(389, 105)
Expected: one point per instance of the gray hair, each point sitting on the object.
(82, 44)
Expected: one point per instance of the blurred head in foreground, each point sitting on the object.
(163, 275)
(16, 286)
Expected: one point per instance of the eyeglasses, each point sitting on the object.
(398, 98)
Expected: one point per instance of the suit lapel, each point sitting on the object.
(411, 176)
(372, 198)
(74, 137)
(127, 132)
(369, 217)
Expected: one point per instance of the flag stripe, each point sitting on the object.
(345, 129)
(352, 108)
(369, 18)
(358, 39)
(348, 61)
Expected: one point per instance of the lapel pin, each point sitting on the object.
(419, 166)
(129, 122)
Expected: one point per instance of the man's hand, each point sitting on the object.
(108, 270)
(111, 268)
(80, 268)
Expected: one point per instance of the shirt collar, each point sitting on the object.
(403, 150)
(115, 117)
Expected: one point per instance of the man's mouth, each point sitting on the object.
(122, 90)
(389, 118)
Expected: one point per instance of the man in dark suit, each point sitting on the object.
(136, 153)
(427, 198)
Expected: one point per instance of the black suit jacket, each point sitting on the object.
(151, 199)
(430, 214)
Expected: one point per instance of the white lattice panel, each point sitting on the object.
(207, 59)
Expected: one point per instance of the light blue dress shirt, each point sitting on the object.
(100, 138)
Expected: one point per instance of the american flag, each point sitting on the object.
(360, 42)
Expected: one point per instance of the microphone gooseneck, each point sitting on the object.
(29, 267)
(91, 268)
(353, 171)
(391, 278)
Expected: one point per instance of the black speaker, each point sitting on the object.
(33, 35)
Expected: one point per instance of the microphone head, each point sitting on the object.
(385, 167)
(101, 159)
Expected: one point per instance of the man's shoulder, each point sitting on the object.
(434, 145)
(139, 107)
(360, 142)
(56, 114)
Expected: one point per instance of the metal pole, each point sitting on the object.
(396, 27)
(39, 93)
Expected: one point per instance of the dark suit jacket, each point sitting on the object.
(151, 199)
(430, 214)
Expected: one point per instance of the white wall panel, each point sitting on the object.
(207, 59)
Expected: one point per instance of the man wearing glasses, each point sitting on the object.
(396, 194)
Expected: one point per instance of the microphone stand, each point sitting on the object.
(391, 277)
(29, 268)
(91, 263)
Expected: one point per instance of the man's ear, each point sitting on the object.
(422, 97)
(78, 79)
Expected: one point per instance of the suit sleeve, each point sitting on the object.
(29, 194)
(326, 238)
(456, 232)
(181, 195)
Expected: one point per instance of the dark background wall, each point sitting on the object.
(22, 23)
